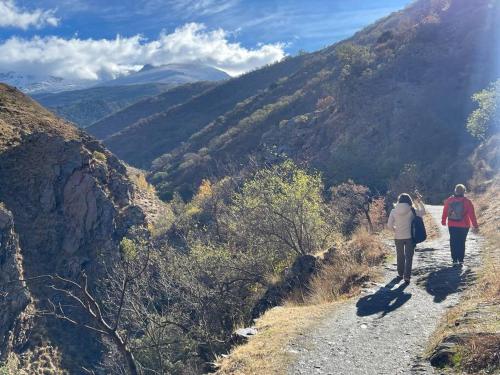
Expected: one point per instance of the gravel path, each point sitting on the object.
(386, 330)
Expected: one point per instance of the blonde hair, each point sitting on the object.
(460, 189)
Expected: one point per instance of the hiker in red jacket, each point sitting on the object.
(459, 212)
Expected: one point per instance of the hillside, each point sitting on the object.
(392, 95)
(86, 106)
(126, 117)
(166, 130)
(65, 204)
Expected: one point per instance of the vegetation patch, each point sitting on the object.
(343, 270)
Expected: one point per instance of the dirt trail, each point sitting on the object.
(386, 329)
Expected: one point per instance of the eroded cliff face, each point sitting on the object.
(69, 203)
(15, 300)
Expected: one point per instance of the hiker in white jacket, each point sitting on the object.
(399, 221)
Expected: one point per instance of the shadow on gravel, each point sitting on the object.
(442, 282)
(384, 301)
(425, 250)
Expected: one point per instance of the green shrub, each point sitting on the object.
(99, 156)
(486, 118)
(281, 210)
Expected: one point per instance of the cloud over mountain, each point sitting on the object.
(13, 16)
(94, 59)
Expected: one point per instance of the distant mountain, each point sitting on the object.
(173, 74)
(145, 108)
(396, 93)
(84, 107)
(89, 105)
(32, 84)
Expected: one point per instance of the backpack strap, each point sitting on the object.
(413, 210)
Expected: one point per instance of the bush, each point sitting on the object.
(485, 120)
(281, 211)
(408, 181)
(324, 103)
(353, 59)
(350, 203)
(99, 156)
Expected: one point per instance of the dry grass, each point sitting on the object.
(477, 317)
(139, 180)
(480, 351)
(344, 270)
(431, 227)
(267, 353)
(159, 215)
(42, 360)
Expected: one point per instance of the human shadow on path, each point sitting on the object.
(425, 250)
(442, 282)
(384, 300)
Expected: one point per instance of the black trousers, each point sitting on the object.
(458, 236)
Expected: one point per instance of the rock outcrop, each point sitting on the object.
(15, 300)
(70, 202)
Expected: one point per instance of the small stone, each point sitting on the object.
(246, 332)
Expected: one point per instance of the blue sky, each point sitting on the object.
(258, 27)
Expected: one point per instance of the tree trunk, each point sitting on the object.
(126, 353)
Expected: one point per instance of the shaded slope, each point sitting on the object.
(69, 202)
(126, 117)
(86, 106)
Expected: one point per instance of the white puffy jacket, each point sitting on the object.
(400, 220)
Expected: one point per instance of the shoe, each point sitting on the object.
(407, 281)
(399, 278)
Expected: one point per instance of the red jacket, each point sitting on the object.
(469, 214)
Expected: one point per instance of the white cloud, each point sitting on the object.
(92, 59)
(202, 7)
(13, 16)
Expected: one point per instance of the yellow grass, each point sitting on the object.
(267, 353)
(431, 227)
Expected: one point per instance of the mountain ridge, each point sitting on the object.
(144, 108)
(412, 74)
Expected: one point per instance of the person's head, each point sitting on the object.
(460, 190)
(405, 198)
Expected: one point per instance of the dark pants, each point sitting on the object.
(404, 252)
(458, 236)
